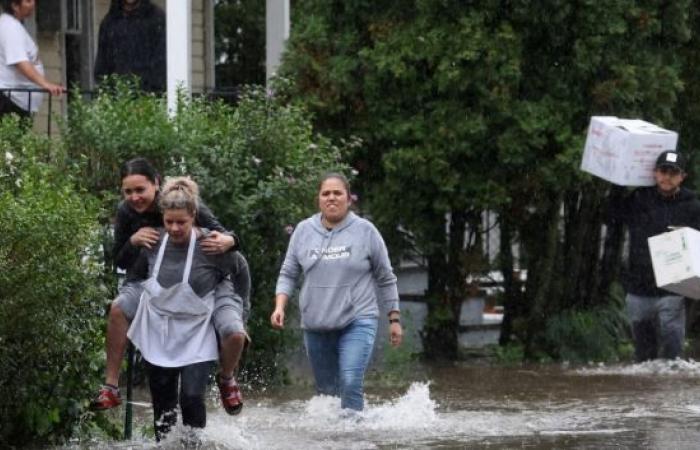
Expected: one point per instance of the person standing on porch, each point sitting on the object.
(20, 66)
(132, 42)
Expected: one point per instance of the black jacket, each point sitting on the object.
(133, 44)
(647, 213)
(129, 221)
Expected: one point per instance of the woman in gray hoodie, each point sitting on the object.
(347, 278)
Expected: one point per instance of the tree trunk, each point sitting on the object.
(446, 291)
(540, 292)
(612, 250)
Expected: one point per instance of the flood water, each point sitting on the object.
(654, 405)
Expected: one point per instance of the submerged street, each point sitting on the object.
(654, 405)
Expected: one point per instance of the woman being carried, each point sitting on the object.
(137, 227)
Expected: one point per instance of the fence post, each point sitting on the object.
(128, 416)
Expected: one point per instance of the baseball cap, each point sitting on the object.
(671, 159)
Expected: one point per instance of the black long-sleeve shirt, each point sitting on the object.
(129, 222)
(647, 212)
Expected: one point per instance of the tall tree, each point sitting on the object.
(467, 106)
(416, 83)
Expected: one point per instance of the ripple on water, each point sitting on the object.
(675, 367)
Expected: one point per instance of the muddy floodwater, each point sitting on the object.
(653, 405)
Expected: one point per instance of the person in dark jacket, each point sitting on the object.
(657, 317)
(132, 42)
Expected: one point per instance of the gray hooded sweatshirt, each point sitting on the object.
(347, 272)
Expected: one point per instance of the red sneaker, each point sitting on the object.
(231, 397)
(107, 398)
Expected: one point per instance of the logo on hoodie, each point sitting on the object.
(331, 253)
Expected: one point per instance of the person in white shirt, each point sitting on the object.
(20, 66)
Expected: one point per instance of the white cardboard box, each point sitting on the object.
(624, 151)
(675, 257)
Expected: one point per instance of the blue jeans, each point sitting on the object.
(339, 359)
(658, 326)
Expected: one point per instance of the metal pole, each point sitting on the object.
(128, 416)
(48, 118)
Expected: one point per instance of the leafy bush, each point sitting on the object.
(256, 164)
(50, 292)
(118, 124)
(585, 336)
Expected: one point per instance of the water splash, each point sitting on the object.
(675, 367)
(414, 410)
(320, 423)
(411, 420)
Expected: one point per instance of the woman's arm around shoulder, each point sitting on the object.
(220, 240)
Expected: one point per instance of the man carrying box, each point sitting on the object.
(657, 317)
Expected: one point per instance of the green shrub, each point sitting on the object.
(256, 164)
(586, 336)
(510, 354)
(51, 293)
(118, 124)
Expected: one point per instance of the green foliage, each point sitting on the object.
(256, 164)
(396, 364)
(117, 124)
(586, 336)
(51, 292)
(466, 109)
(510, 354)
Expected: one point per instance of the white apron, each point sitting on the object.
(172, 326)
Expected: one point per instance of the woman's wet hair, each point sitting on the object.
(140, 166)
(179, 193)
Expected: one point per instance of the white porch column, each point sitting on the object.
(276, 34)
(179, 49)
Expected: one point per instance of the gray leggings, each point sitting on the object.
(658, 326)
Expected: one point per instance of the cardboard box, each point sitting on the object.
(624, 151)
(675, 257)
